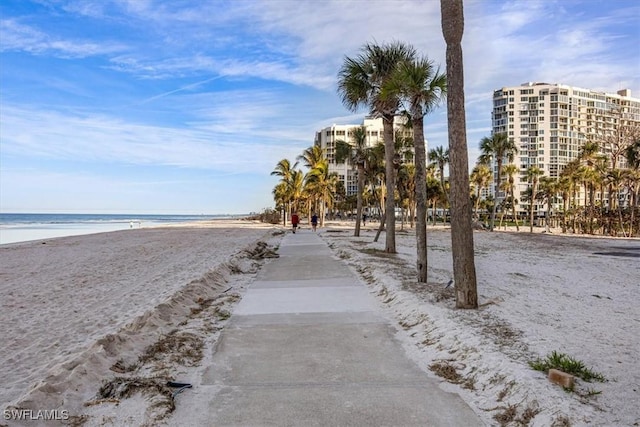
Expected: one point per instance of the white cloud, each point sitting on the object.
(98, 138)
(18, 37)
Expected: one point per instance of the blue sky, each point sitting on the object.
(185, 106)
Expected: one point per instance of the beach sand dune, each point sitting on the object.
(73, 306)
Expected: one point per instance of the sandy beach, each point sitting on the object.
(74, 306)
(79, 314)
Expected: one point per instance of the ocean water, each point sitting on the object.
(25, 227)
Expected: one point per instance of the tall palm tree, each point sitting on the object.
(375, 176)
(510, 185)
(296, 189)
(496, 148)
(533, 176)
(405, 186)
(547, 192)
(616, 178)
(280, 197)
(355, 152)
(285, 170)
(422, 87)
(569, 180)
(311, 157)
(360, 82)
(480, 177)
(564, 188)
(464, 270)
(322, 184)
(440, 158)
(633, 160)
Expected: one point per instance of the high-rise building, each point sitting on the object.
(550, 123)
(327, 137)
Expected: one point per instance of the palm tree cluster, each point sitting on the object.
(591, 195)
(313, 191)
(391, 80)
(610, 203)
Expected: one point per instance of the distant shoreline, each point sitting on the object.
(18, 228)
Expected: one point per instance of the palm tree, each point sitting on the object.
(533, 175)
(480, 176)
(356, 153)
(564, 188)
(311, 157)
(422, 87)
(569, 179)
(633, 160)
(322, 184)
(360, 83)
(510, 170)
(464, 271)
(547, 192)
(281, 197)
(296, 189)
(405, 183)
(615, 178)
(497, 148)
(285, 170)
(439, 157)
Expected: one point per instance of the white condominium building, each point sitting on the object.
(327, 137)
(550, 123)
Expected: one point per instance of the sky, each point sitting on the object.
(186, 106)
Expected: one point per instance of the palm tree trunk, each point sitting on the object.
(564, 214)
(381, 227)
(475, 208)
(421, 201)
(464, 271)
(531, 212)
(359, 199)
(513, 209)
(624, 234)
(390, 179)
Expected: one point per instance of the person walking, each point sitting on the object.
(314, 222)
(295, 219)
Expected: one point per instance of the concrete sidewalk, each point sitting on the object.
(309, 346)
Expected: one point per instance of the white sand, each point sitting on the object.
(73, 307)
(575, 295)
(70, 305)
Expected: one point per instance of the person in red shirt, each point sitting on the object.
(295, 219)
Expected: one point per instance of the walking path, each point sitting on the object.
(309, 346)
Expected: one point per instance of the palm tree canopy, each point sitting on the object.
(439, 156)
(418, 83)
(284, 169)
(311, 156)
(355, 150)
(361, 79)
(497, 147)
(533, 173)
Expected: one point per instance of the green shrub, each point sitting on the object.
(567, 364)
